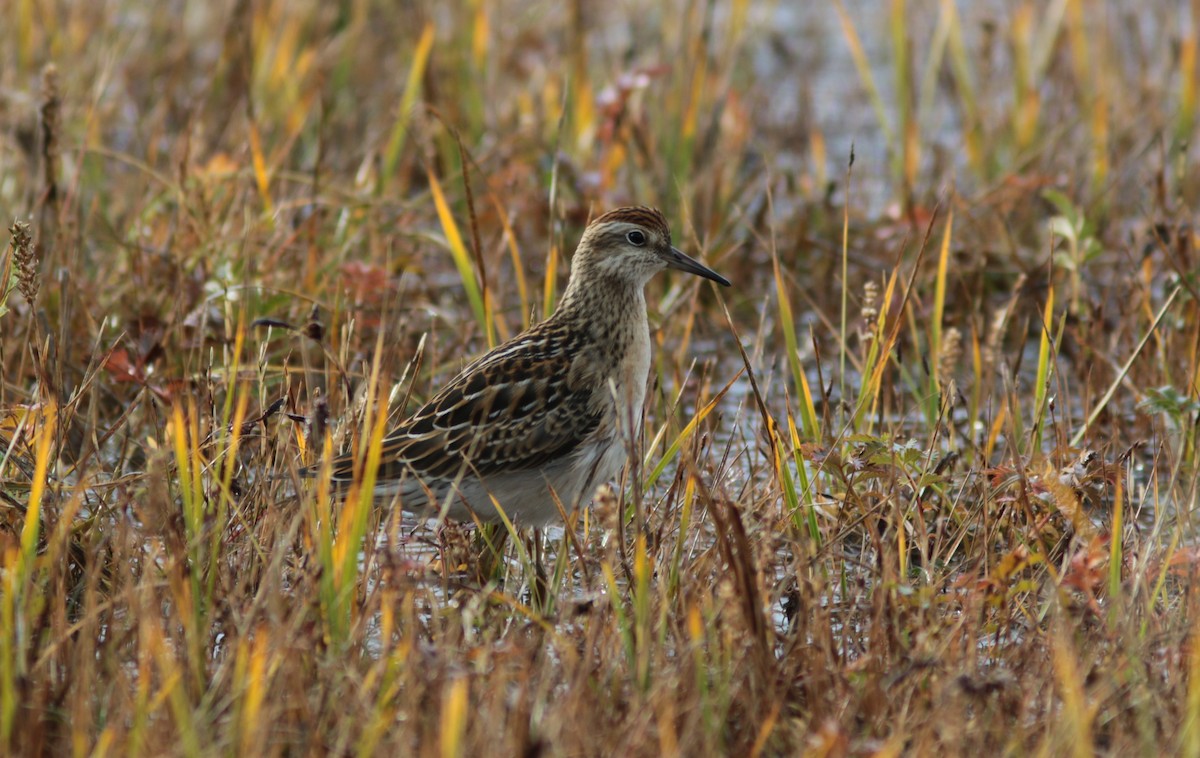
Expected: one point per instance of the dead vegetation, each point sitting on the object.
(921, 482)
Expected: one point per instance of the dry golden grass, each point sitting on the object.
(920, 483)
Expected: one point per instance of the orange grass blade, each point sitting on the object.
(939, 300)
(260, 168)
(1076, 710)
(33, 514)
(859, 56)
(1185, 119)
(687, 432)
(549, 286)
(510, 240)
(458, 251)
(454, 719)
(395, 146)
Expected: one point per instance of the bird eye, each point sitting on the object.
(636, 238)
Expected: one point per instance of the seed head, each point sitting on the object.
(25, 260)
(949, 355)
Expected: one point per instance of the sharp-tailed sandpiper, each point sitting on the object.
(549, 414)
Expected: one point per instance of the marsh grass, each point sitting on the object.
(921, 482)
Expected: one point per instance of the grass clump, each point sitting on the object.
(921, 482)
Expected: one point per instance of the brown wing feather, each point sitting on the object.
(498, 415)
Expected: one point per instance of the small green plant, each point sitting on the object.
(1081, 247)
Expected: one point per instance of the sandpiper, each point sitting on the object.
(546, 417)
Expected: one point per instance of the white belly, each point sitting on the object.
(529, 497)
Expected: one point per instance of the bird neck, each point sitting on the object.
(602, 301)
